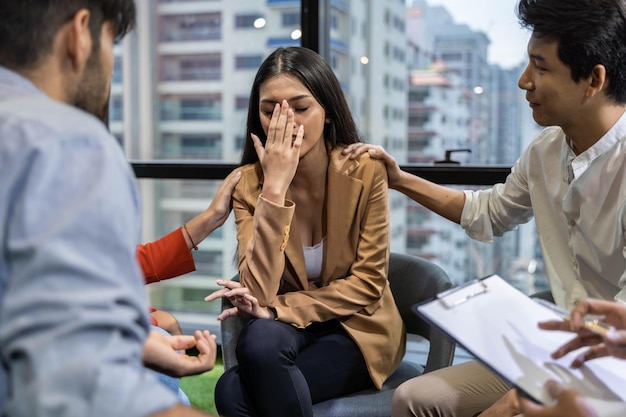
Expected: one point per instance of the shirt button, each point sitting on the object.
(575, 264)
(572, 223)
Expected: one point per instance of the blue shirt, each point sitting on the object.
(73, 306)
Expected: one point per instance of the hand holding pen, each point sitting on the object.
(604, 332)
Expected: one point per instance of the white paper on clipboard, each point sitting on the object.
(498, 325)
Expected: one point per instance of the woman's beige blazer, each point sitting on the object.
(354, 287)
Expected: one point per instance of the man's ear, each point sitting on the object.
(79, 42)
(597, 80)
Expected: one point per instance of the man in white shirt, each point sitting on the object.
(572, 179)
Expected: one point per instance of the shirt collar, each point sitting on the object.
(580, 163)
(15, 84)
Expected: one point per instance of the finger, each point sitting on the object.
(240, 302)
(271, 131)
(252, 299)
(229, 312)
(228, 185)
(579, 341)
(197, 364)
(205, 342)
(555, 388)
(563, 325)
(375, 152)
(277, 125)
(283, 132)
(348, 149)
(210, 338)
(616, 337)
(289, 127)
(204, 334)
(235, 292)
(356, 149)
(228, 284)
(258, 146)
(182, 342)
(591, 353)
(613, 313)
(297, 143)
(216, 294)
(531, 409)
(615, 341)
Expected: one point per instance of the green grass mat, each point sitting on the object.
(200, 388)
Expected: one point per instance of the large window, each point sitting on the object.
(421, 77)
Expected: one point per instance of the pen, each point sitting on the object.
(591, 323)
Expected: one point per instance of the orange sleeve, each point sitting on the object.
(165, 258)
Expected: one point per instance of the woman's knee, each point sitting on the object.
(229, 397)
(265, 342)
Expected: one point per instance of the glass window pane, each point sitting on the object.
(175, 202)
(190, 27)
(420, 78)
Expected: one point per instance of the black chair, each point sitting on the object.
(544, 295)
(412, 280)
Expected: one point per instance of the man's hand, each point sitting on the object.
(611, 344)
(394, 173)
(160, 353)
(569, 404)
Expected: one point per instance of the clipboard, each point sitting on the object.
(497, 324)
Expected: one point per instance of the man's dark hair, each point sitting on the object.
(28, 27)
(589, 32)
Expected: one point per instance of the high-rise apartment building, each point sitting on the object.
(438, 106)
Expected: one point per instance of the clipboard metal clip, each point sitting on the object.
(459, 295)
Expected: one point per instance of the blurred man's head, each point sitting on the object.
(65, 46)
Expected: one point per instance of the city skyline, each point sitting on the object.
(508, 39)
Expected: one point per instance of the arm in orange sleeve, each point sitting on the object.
(165, 258)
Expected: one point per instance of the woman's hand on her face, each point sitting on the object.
(281, 153)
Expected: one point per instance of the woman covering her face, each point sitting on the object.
(313, 239)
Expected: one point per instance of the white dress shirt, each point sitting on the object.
(579, 205)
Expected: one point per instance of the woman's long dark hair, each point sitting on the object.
(316, 75)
